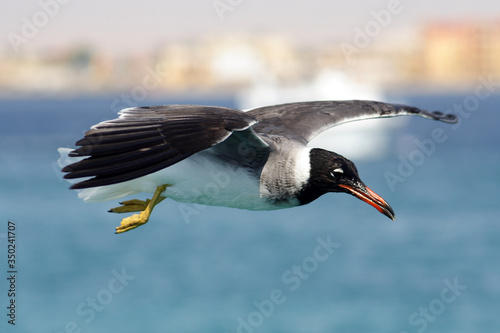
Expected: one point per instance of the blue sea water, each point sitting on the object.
(335, 265)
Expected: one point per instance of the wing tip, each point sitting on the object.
(434, 115)
(77, 186)
(444, 117)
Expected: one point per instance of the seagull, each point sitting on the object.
(256, 160)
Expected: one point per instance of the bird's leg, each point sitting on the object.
(147, 206)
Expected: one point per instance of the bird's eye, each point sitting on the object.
(337, 172)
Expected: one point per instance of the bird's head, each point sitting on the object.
(331, 172)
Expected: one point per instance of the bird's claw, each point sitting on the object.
(134, 205)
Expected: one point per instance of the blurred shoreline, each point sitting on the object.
(437, 57)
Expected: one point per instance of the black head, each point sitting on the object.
(331, 172)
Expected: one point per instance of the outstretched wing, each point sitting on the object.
(303, 121)
(143, 140)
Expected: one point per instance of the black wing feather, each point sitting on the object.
(147, 139)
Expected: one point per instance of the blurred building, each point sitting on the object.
(227, 62)
(448, 55)
(461, 51)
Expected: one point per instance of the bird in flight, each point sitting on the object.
(256, 160)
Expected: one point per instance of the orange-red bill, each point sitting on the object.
(372, 199)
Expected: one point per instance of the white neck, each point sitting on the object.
(287, 170)
(302, 167)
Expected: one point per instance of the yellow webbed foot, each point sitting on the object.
(132, 222)
(145, 208)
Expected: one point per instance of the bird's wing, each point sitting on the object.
(143, 140)
(303, 121)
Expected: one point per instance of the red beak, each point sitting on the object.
(371, 198)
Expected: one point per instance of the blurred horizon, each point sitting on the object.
(205, 47)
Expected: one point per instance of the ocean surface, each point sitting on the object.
(335, 265)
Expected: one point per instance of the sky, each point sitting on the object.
(139, 26)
